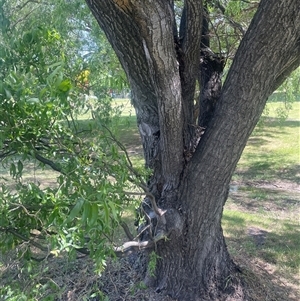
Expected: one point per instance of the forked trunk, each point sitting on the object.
(194, 263)
(191, 181)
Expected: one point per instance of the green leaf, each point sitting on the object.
(65, 85)
(8, 94)
(54, 73)
(113, 210)
(33, 100)
(53, 215)
(106, 213)
(13, 170)
(20, 167)
(94, 214)
(76, 209)
(87, 212)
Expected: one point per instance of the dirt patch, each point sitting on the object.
(279, 185)
(279, 198)
(258, 235)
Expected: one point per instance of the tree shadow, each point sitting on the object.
(279, 123)
(267, 167)
(277, 254)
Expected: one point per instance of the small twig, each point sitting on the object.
(126, 230)
(149, 222)
(17, 206)
(25, 239)
(21, 6)
(73, 121)
(159, 212)
(144, 229)
(6, 154)
(232, 22)
(121, 146)
(35, 215)
(24, 18)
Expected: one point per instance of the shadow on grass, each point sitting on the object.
(275, 249)
(279, 123)
(280, 97)
(267, 167)
(265, 199)
(272, 127)
(260, 239)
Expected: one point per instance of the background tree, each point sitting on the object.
(190, 180)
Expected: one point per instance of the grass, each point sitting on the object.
(261, 216)
(272, 152)
(261, 236)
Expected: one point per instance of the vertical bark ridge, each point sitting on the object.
(147, 29)
(159, 45)
(115, 18)
(189, 58)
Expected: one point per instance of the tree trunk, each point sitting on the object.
(212, 66)
(190, 185)
(210, 82)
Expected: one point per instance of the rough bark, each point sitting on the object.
(212, 66)
(188, 49)
(195, 264)
(210, 78)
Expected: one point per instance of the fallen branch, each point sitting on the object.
(131, 246)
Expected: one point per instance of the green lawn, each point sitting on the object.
(261, 216)
(272, 151)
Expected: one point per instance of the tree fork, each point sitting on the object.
(194, 262)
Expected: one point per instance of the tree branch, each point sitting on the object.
(126, 230)
(231, 22)
(49, 163)
(21, 6)
(159, 212)
(188, 57)
(120, 145)
(24, 18)
(23, 238)
(6, 154)
(131, 246)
